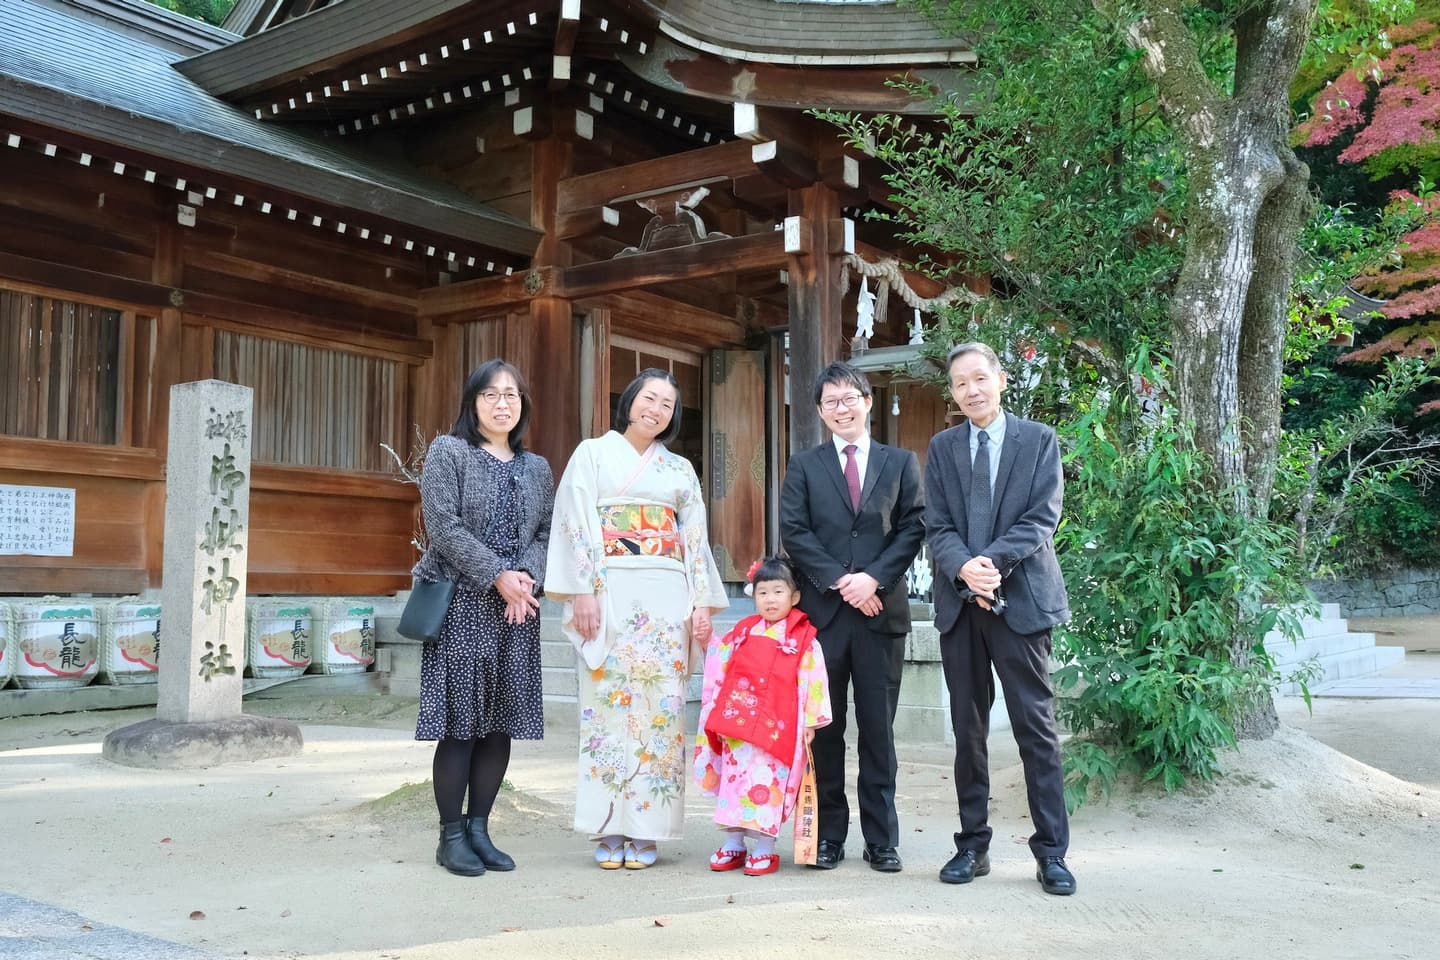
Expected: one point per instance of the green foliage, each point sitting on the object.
(1053, 175)
(1353, 484)
(1167, 585)
(210, 11)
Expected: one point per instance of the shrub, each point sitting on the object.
(1166, 583)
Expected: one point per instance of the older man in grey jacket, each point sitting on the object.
(992, 504)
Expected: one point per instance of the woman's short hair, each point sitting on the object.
(467, 424)
(776, 568)
(621, 421)
(842, 374)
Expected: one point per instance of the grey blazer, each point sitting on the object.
(455, 487)
(1028, 486)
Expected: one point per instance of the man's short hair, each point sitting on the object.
(842, 375)
(974, 346)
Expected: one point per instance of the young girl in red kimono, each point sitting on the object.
(764, 695)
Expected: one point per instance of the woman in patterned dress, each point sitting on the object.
(486, 504)
(630, 559)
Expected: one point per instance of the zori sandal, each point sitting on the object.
(759, 866)
(610, 853)
(722, 860)
(639, 854)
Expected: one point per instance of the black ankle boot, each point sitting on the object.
(478, 831)
(454, 852)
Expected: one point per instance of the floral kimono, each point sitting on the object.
(754, 789)
(631, 530)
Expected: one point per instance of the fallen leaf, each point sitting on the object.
(510, 929)
(662, 921)
(1357, 866)
(197, 915)
(730, 899)
(86, 926)
(164, 839)
(284, 913)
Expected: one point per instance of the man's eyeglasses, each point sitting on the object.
(493, 397)
(835, 403)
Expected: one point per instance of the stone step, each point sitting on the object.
(1332, 645)
(1363, 662)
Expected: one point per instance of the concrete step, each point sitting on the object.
(557, 653)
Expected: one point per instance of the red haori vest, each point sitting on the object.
(759, 701)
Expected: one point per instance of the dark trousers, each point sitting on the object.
(1022, 662)
(871, 662)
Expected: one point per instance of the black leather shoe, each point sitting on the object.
(828, 854)
(1054, 876)
(965, 866)
(884, 859)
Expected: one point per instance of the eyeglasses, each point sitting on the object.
(493, 397)
(835, 403)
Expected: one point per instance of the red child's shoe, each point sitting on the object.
(722, 860)
(759, 866)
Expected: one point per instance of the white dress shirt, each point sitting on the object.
(862, 453)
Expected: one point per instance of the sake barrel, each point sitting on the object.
(278, 633)
(59, 643)
(130, 641)
(9, 648)
(344, 636)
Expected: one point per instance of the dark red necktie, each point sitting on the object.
(852, 476)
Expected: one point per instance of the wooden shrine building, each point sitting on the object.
(348, 205)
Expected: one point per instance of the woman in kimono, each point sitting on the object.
(630, 560)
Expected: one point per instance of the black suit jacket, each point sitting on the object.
(826, 538)
(1027, 494)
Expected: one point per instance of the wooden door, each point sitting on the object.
(735, 466)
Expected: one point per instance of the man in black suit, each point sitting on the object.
(852, 520)
(992, 491)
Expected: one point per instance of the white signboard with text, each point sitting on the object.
(37, 521)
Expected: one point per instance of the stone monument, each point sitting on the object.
(198, 721)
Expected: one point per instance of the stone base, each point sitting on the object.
(159, 744)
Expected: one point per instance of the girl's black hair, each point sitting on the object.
(627, 400)
(776, 568)
(467, 424)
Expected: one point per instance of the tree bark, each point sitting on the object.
(1262, 341)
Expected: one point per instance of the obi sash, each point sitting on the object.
(759, 699)
(640, 530)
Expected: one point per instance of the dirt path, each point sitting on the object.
(1304, 852)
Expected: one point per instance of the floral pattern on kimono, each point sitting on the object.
(635, 537)
(753, 789)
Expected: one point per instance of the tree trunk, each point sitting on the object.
(1267, 312)
(1247, 204)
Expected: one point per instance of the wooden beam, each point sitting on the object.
(566, 28)
(758, 251)
(642, 313)
(693, 168)
(583, 223)
(167, 303)
(464, 301)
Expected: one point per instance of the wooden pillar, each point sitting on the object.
(167, 363)
(816, 337)
(554, 375)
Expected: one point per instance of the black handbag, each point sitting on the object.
(425, 610)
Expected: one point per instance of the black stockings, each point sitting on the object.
(477, 764)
